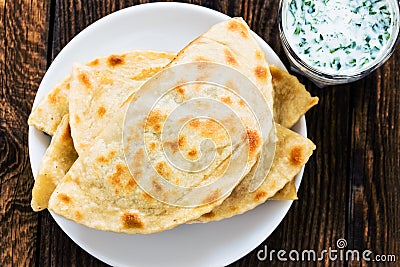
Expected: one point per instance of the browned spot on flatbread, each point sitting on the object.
(68, 86)
(211, 197)
(230, 59)
(64, 198)
(121, 171)
(254, 140)
(242, 103)
(193, 153)
(180, 91)
(233, 208)
(83, 78)
(102, 159)
(131, 220)
(259, 55)
(77, 118)
(93, 62)
(296, 156)
(115, 60)
(236, 26)
(182, 141)
(260, 72)
(194, 123)
(112, 153)
(163, 169)
(147, 196)
(207, 127)
(130, 184)
(209, 214)
(260, 195)
(101, 111)
(226, 100)
(146, 73)
(53, 96)
(154, 120)
(106, 159)
(152, 146)
(78, 216)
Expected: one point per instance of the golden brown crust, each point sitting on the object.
(254, 140)
(131, 220)
(297, 155)
(193, 153)
(261, 72)
(235, 26)
(230, 58)
(101, 111)
(227, 100)
(154, 120)
(64, 198)
(163, 169)
(260, 194)
(84, 79)
(115, 60)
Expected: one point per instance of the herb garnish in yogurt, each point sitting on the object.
(339, 36)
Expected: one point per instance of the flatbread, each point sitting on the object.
(232, 43)
(49, 112)
(99, 91)
(99, 190)
(288, 192)
(292, 101)
(292, 152)
(59, 157)
(290, 96)
(47, 115)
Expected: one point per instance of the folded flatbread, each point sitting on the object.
(68, 151)
(135, 65)
(99, 190)
(51, 109)
(58, 159)
(292, 152)
(291, 97)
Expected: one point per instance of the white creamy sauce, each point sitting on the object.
(339, 36)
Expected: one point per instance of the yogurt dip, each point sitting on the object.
(339, 37)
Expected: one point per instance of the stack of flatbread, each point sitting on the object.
(84, 175)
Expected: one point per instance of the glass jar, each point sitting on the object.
(313, 31)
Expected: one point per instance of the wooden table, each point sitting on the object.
(350, 188)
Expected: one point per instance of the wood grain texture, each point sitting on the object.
(350, 188)
(23, 28)
(374, 174)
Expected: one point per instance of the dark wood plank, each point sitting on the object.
(374, 177)
(23, 30)
(70, 17)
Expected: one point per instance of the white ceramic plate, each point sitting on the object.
(168, 27)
